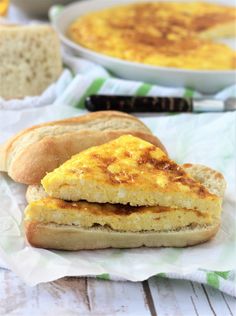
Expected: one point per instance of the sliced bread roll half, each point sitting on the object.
(30, 154)
(71, 237)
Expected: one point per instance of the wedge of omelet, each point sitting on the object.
(115, 216)
(130, 171)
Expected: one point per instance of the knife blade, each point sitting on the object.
(157, 104)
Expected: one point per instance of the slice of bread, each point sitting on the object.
(30, 60)
(71, 237)
(35, 192)
(213, 180)
(33, 152)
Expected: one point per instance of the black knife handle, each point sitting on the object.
(138, 103)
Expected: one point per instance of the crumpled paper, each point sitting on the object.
(199, 138)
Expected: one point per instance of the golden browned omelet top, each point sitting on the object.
(131, 171)
(164, 34)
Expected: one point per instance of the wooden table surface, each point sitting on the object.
(88, 296)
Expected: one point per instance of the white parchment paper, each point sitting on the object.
(199, 138)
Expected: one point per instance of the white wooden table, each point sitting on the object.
(88, 296)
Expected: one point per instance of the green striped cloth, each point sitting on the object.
(90, 78)
(85, 85)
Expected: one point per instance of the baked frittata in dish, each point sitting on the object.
(169, 34)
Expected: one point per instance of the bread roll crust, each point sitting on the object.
(213, 180)
(66, 237)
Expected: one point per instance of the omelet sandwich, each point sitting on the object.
(123, 194)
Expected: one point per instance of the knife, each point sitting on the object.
(157, 104)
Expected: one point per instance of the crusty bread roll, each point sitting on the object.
(30, 60)
(75, 237)
(29, 155)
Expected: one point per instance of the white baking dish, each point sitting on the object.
(203, 81)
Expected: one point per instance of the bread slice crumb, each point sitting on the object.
(30, 60)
